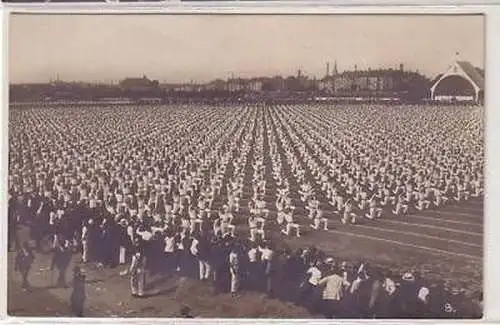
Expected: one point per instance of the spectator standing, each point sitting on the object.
(23, 263)
(78, 295)
(200, 250)
(218, 261)
(377, 303)
(234, 268)
(408, 296)
(137, 270)
(170, 250)
(269, 268)
(61, 260)
(309, 286)
(253, 267)
(87, 230)
(333, 291)
(124, 242)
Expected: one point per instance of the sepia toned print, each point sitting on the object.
(248, 166)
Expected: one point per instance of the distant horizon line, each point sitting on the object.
(232, 76)
(194, 82)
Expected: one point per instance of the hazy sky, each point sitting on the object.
(179, 48)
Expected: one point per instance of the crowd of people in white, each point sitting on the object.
(179, 174)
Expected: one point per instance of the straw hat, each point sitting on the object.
(408, 276)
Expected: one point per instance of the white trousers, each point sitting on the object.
(123, 253)
(235, 281)
(205, 269)
(85, 251)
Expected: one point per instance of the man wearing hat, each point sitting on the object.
(408, 295)
(333, 286)
(309, 286)
(454, 301)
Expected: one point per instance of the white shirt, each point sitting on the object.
(389, 286)
(53, 218)
(252, 255)
(355, 285)
(233, 260)
(130, 232)
(169, 244)
(267, 254)
(185, 223)
(252, 223)
(194, 247)
(334, 287)
(315, 275)
(85, 232)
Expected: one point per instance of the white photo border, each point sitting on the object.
(492, 103)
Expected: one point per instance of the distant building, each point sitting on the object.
(255, 85)
(218, 85)
(276, 83)
(138, 84)
(327, 85)
(461, 82)
(380, 82)
(236, 84)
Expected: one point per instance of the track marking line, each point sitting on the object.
(419, 235)
(430, 226)
(478, 208)
(435, 251)
(416, 216)
(476, 216)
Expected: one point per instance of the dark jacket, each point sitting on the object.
(203, 248)
(78, 294)
(24, 260)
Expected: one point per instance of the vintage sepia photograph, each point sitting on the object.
(246, 166)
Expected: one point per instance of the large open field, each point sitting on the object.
(440, 243)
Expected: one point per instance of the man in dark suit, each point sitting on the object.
(24, 260)
(61, 260)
